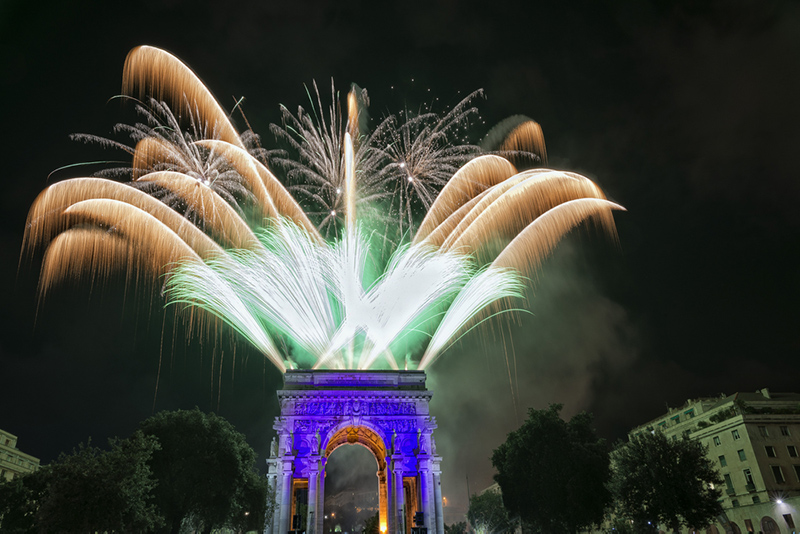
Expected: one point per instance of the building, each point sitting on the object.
(753, 439)
(388, 413)
(14, 462)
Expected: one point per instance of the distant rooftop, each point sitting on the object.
(761, 401)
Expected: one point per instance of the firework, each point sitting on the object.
(203, 208)
(401, 164)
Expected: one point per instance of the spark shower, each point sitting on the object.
(379, 249)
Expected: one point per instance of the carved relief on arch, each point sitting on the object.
(362, 435)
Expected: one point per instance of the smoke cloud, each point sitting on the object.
(564, 351)
(574, 335)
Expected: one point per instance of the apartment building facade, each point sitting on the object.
(754, 440)
(14, 462)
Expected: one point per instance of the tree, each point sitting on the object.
(206, 473)
(487, 514)
(19, 502)
(456, 528)
(372, 525)
(664, 481)
(553, 473)
(255, 507)
(86, 491)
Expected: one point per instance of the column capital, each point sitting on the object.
(398, 463)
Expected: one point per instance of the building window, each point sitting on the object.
(777, 472)
(756, 499)
(770, 451)
(742, 457)
(792, 450)
(763, 431)
(722, 461)
(689, 413)
(735, 434)
(676, 419)
(797, 472)
(748, 479)
(735, 503)
(789, 520)
(748, 525)
(784, 431)
(729, 484)
(716, 441)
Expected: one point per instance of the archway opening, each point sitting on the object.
(351, 489)
(353, 438)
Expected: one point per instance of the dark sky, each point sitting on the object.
(685, 112)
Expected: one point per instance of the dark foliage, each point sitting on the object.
(205, 472)
(553, 473)
(372, 525)
(456, 528)
(90, 490)
(19, 502)
(487, 514)
(664, 481)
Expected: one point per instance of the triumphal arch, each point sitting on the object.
(384, 411)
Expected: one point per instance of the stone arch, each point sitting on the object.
(712, 529)
(361, 434)
(385, 411)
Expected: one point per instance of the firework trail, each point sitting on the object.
(202, 207)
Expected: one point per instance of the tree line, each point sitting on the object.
(181, 469)
(557, 476)
(188, 470)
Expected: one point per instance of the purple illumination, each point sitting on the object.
(385, 411)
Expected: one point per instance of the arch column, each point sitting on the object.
(274, 485)
(426, 497)
(437, 492)
(320, 496)
(280, 470)
(383, 502)
(285, 498)
(391, 511)
(399, 494)
(313, 478)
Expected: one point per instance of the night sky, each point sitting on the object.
(687, 113)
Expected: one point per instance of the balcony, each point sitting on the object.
(730, 491)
